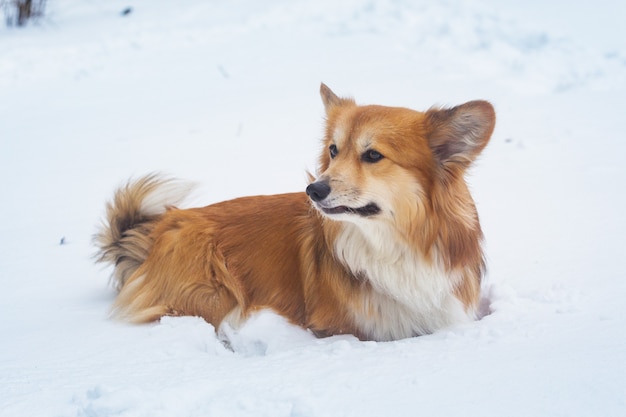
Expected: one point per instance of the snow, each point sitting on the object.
(226, 94)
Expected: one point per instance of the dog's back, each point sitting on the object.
(224, 260)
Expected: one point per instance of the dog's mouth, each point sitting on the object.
(370, 209)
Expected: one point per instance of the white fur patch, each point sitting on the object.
(411, 296)
(338, 135)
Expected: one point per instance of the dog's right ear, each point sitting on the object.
(330, 99)
(459, 134)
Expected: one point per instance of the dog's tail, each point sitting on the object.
(124, 237)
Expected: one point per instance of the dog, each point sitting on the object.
(384, 244)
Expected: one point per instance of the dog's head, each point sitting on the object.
(385, 163)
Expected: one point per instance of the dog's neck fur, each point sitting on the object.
(410, 293)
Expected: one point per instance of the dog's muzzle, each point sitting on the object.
(318, 191)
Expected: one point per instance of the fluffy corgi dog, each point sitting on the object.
(385, 243)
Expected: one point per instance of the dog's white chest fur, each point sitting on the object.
(410, 296)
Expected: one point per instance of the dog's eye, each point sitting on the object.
(333, 150)
(371, 156)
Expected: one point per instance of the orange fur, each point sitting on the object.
(390, 247)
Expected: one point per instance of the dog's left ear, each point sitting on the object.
(458, 135)
(331, 100)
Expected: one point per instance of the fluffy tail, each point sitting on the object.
(124, 237)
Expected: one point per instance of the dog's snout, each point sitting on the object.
(318, 190)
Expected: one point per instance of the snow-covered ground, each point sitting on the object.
(225, 93)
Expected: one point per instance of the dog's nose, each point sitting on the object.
(318, 190)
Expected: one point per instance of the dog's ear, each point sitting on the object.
(330, 99)
(458, 135)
